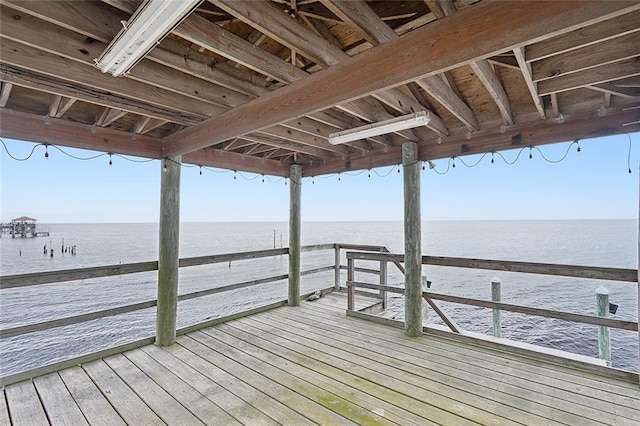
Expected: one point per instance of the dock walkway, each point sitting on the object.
(315, 365)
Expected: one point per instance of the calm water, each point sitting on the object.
(610, 243)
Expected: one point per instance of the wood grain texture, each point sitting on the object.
(400, 61)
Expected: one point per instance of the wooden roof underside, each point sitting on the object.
(259, 85)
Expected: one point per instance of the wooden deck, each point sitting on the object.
(314, 365)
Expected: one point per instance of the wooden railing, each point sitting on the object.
(612, 274)
(40, 278)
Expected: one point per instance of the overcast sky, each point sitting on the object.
(591, 184)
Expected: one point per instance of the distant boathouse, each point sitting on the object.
(23, 227)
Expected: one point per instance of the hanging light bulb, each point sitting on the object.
(262, 178)
(491, 157)
(164, 165)
(530, 152)
(423, 166)
(338, 177)
(46, 151)
(313, 180)
(234, 174)
(578, 149)
(453, 159)
(110, 161)
(369, 173)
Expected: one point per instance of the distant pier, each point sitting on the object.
(23, 227)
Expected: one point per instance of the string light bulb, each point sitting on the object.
(262, 178)
(530, 152)
(200, 170)
(46, 151)
(235, 172)
(110, 160)
(492, 160)
(423, 166)
(369, 173)
(164, 165)
(338, 177)
(453, 159)
(578, 149)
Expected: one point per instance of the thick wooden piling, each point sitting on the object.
(412, 240)
(168, 251)
(294, 233)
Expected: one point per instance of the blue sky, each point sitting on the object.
(591, 184)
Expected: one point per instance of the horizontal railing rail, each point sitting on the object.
(144, 267)
(49, 277)
(547, 313)
(575, 271)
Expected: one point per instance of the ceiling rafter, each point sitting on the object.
(397, 62)
(108, 116)
(59, 105)
(525, 68)
(270, 20)
(491, 81)
(5, 92)
(359, 15)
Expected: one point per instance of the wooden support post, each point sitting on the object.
(295, 180)
(168, 251)
(336, 273)
(495, 297)
(412, 241)
(351, 290)
(604, 345)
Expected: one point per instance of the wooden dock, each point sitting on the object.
(314, 365)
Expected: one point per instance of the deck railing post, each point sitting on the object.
(337, 270)
(168, 258)
(495, 297)
(604, 344)
(295, 190)
(383, 281)
(425, 287)
(351, 290)
(412, 240)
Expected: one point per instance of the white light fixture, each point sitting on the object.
(153, 20)
(396, 124)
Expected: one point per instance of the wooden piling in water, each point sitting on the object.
(168, 251)
(295, 188)
(412, 240)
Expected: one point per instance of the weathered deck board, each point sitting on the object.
(581, 382)
(205, 410)
(456, 373)
(94, 406)
(232, 404)
(130, 407)
(161, 402)
(57, 401)
(4, 410)
(24, 406)
(314, 365)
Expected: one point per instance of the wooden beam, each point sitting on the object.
(518, 135)
(60, 105)
(185, 110)
(555, 106)
(5, 92)
(590, 77)
(72, 93)
(211, 157)
(525, 68)
(270, 20)
(587, 36)
(30, 127)
(491, 81)
(305, 139)
(401, 61)
(614, 50)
